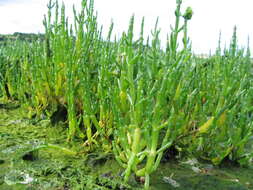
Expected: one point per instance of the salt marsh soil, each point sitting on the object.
(34, 155)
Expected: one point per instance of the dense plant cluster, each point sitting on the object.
(131, 97)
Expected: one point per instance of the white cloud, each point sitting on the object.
(22, 16)
(209, 17)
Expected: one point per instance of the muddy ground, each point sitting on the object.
(34, 155)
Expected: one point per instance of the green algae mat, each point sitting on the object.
(34, 155)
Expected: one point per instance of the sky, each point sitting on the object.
(210, 17)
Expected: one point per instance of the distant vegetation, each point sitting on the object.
(20, 36)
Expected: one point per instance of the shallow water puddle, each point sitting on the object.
(17, 177)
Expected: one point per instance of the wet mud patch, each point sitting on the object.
(36, 156)
(201, 176)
